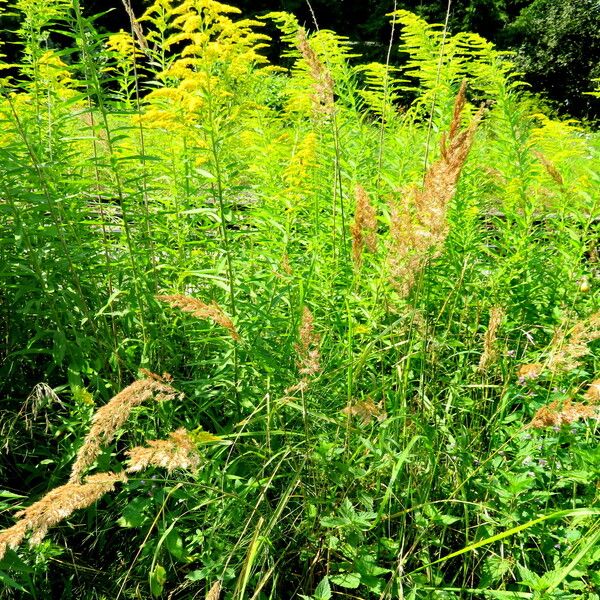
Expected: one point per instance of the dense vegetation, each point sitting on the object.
(556, 43)
(370, 291)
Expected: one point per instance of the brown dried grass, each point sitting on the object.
(592, 394)
(529, 371)
(366, 411)
(550, 168)
(112, 416)
(307, 350)
(364, 227)
(54, 507)
(323, 85)
(569, 347)
(215, 591)
(201, 310)
(557, 414)
(490, 351)
(419, 221)
(179, 451)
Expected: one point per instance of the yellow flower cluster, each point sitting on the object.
(216, 59)
(54, 75)
(297, 174)
(122, 45)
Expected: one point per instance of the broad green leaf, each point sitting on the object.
(174, 545)
(158, 578)
(133, 513)
(347, 580)
(323, 591)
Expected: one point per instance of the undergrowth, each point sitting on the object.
(372, 295)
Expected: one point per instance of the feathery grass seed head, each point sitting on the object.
(364, 228)
(215, 591)
(568, 349)
(529, 371)
(490, 352)
(179, 451)
(366, 410)
(556, 414)
(418, 223)
(322, 80)
(592, 395)
(307, 350)
(109, 418)
(201, 310)
(55, 506)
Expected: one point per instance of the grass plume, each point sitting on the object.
(419, 222)
(321, 76)
(364, 227)
(178, 451)
(592, 394)
(366, 411)
(57, 505)
(490, 351)
(568, 348)
(557, 414)
(201, 310)
(307, 350)
(112, 416)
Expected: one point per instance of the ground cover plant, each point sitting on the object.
(370, 295)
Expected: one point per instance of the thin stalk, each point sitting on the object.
(57, 219)
(437, 81)
(105, 243)
(136, 33)
(96, 90)
(218, 189)
(386, 83)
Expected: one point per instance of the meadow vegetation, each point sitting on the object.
(370, 294)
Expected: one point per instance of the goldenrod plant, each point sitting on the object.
(372, 292)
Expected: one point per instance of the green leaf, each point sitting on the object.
(204, 173)
(196, 575)
(494, 569)
(174, 545)
(7, 494)
(9, 582)
(133, 514)
(347, 580)
(445, 519)
(323, 591)
(158, 577)
(334, 522)
(575, 512)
